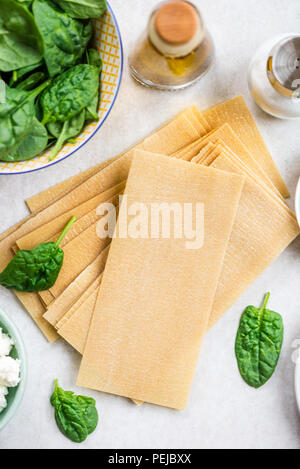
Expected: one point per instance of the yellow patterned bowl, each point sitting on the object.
(109, 44)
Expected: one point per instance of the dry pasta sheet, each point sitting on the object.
(181, 130)
(261, 231)
(144, 342)
(69, 194)
(75, 328)
(241, 267)
(236, 113)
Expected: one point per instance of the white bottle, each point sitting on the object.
(274, 77)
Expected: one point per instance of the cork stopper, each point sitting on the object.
(177, 22)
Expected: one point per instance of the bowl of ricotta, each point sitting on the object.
(13, 369)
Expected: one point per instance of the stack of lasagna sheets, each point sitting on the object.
(137, 308)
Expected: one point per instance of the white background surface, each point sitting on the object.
(223, 412)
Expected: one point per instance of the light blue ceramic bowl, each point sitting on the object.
(15, 395)
(298, 202)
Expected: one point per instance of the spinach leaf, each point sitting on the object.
(75, 416)
(68, 415)
(20, 41)
(65, 131)
(16, 117)
(93, 58)
(14, 122)
(35, 270)
(32, 145)
(16, 99)
(17, 75)
(258, 344)
(69, 93)
(65, 38)
(31, 82)
(83, 9)
(26, 3)
(38, 109)
(90, 413)
(2, 91)
(92, 109)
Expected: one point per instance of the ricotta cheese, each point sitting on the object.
(3, 394)
(9, 372)
(6, 344)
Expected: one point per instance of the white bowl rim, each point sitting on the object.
(52, 163)
(297, 202)
(20, 346)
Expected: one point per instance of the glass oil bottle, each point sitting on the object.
(175, 51)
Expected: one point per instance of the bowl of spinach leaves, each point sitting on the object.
(60, 71)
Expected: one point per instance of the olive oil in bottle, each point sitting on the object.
(176, 49)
